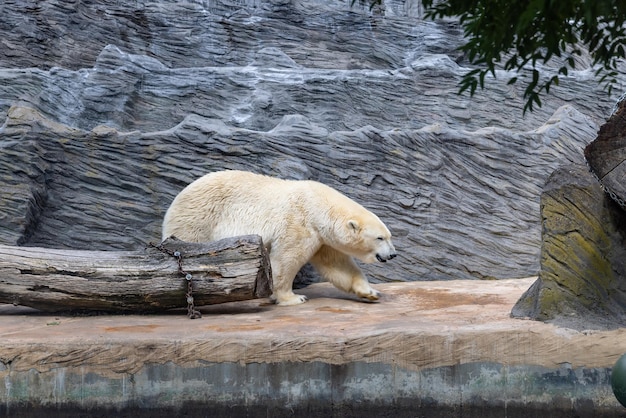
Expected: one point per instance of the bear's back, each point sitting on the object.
(229, 203)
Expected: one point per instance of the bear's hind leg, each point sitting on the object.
(287, 298)
(283, 283)
(341, 270)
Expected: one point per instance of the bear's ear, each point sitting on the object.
(354, 225)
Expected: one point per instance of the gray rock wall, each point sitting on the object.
(110, 108)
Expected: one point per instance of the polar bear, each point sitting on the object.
(299, 221)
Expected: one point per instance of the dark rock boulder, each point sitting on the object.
(606, 155)
(582, 282)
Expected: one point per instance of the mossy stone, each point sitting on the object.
(618, 380)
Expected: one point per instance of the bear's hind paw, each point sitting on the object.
(293, 300)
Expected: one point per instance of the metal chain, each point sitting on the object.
(192, 313)
(608, 191)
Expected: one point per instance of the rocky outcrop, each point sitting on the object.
(582, 282)
(112, 108)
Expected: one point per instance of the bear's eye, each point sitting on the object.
(380, 238)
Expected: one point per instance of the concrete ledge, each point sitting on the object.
(440, 349)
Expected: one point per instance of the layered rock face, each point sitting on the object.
(110, 108)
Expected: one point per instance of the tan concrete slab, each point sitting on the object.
(415, 325)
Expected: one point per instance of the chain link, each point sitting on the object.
(608, 191)
(192, 313)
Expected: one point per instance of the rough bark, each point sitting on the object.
(582, 282)
(147, 280)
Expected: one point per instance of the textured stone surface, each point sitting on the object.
(111, 108)
(455, 214)
(582, 282)
(606, 155)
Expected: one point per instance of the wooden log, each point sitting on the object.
(148, 280)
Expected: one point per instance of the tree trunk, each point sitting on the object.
(148, 280)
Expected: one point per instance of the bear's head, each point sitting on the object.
(367, 238)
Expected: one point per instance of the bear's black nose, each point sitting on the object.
(394, 255)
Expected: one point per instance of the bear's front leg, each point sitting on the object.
(362, 289)
(341, 270)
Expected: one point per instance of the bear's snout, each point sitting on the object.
(384, 259)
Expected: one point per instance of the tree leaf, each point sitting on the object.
(531, 32)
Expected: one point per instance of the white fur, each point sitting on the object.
(299, 221)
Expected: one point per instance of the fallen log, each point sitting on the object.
(148, 280)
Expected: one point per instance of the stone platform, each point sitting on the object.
(436, 349)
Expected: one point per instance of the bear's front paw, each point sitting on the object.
(370, 294)
(292, 300)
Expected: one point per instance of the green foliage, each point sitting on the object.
(519, 34)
